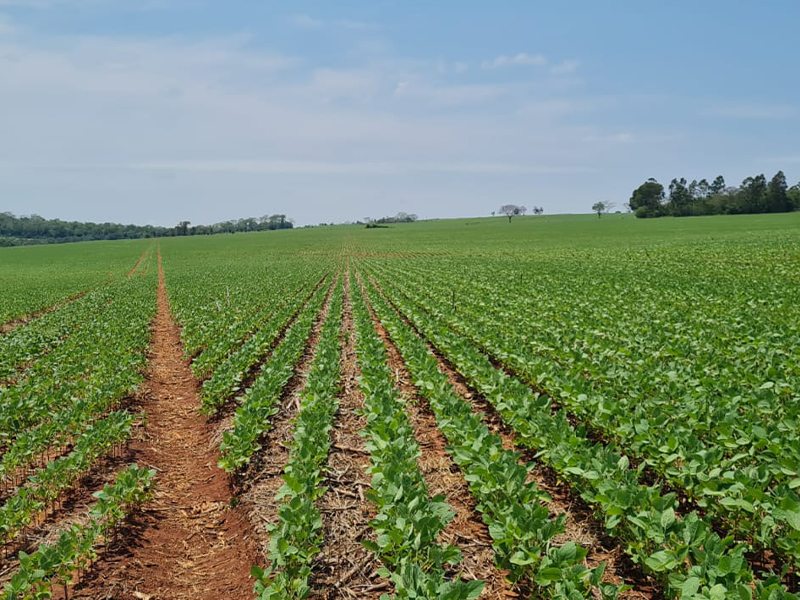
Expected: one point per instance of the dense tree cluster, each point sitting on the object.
(33, 229)
(754, 195)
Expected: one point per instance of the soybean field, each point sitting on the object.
(548, 407)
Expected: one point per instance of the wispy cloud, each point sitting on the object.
(752, 111)
(553, 108)
(156, 121)
(305, 21)
(294, 167)
(615, 138)
(521, 59)
(565, 67)
(353, 24)
(358, 84)
(450, 95)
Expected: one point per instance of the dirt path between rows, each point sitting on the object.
(188, 543)
(10, 326)
(138, 262)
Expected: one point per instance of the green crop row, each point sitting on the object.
(104, 358)
(408, 522)
(220, 299)
(36, 278)
(26, 344)
(56, 563)
(744, 478)
(297, 537)
(229, 375)
(260, 402)
(49, 483)
(228, 340)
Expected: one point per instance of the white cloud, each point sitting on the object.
(461, 67)
(752, 111)
(451, 95)
(358, 84)
(306, 22)
(293, 167)
(556, 107)
(215, 128)
(523, 59)
(565, 67)
(353, 24)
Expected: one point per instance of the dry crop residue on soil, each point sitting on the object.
(188, 542)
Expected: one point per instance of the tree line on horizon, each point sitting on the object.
(34, 229)
(682, 199)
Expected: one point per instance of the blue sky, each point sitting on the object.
(163, 110)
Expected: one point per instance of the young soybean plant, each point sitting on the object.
(297, 537)
(261, 401)
(408, 521)
(75, 549)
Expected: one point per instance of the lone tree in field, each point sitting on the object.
(602, 207)
(512, 210)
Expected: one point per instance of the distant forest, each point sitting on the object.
(754, 195)
(33, 229)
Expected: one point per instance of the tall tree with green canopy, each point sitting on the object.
(717, 186)
(680, 198)
(647, 200)
(777, 199)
